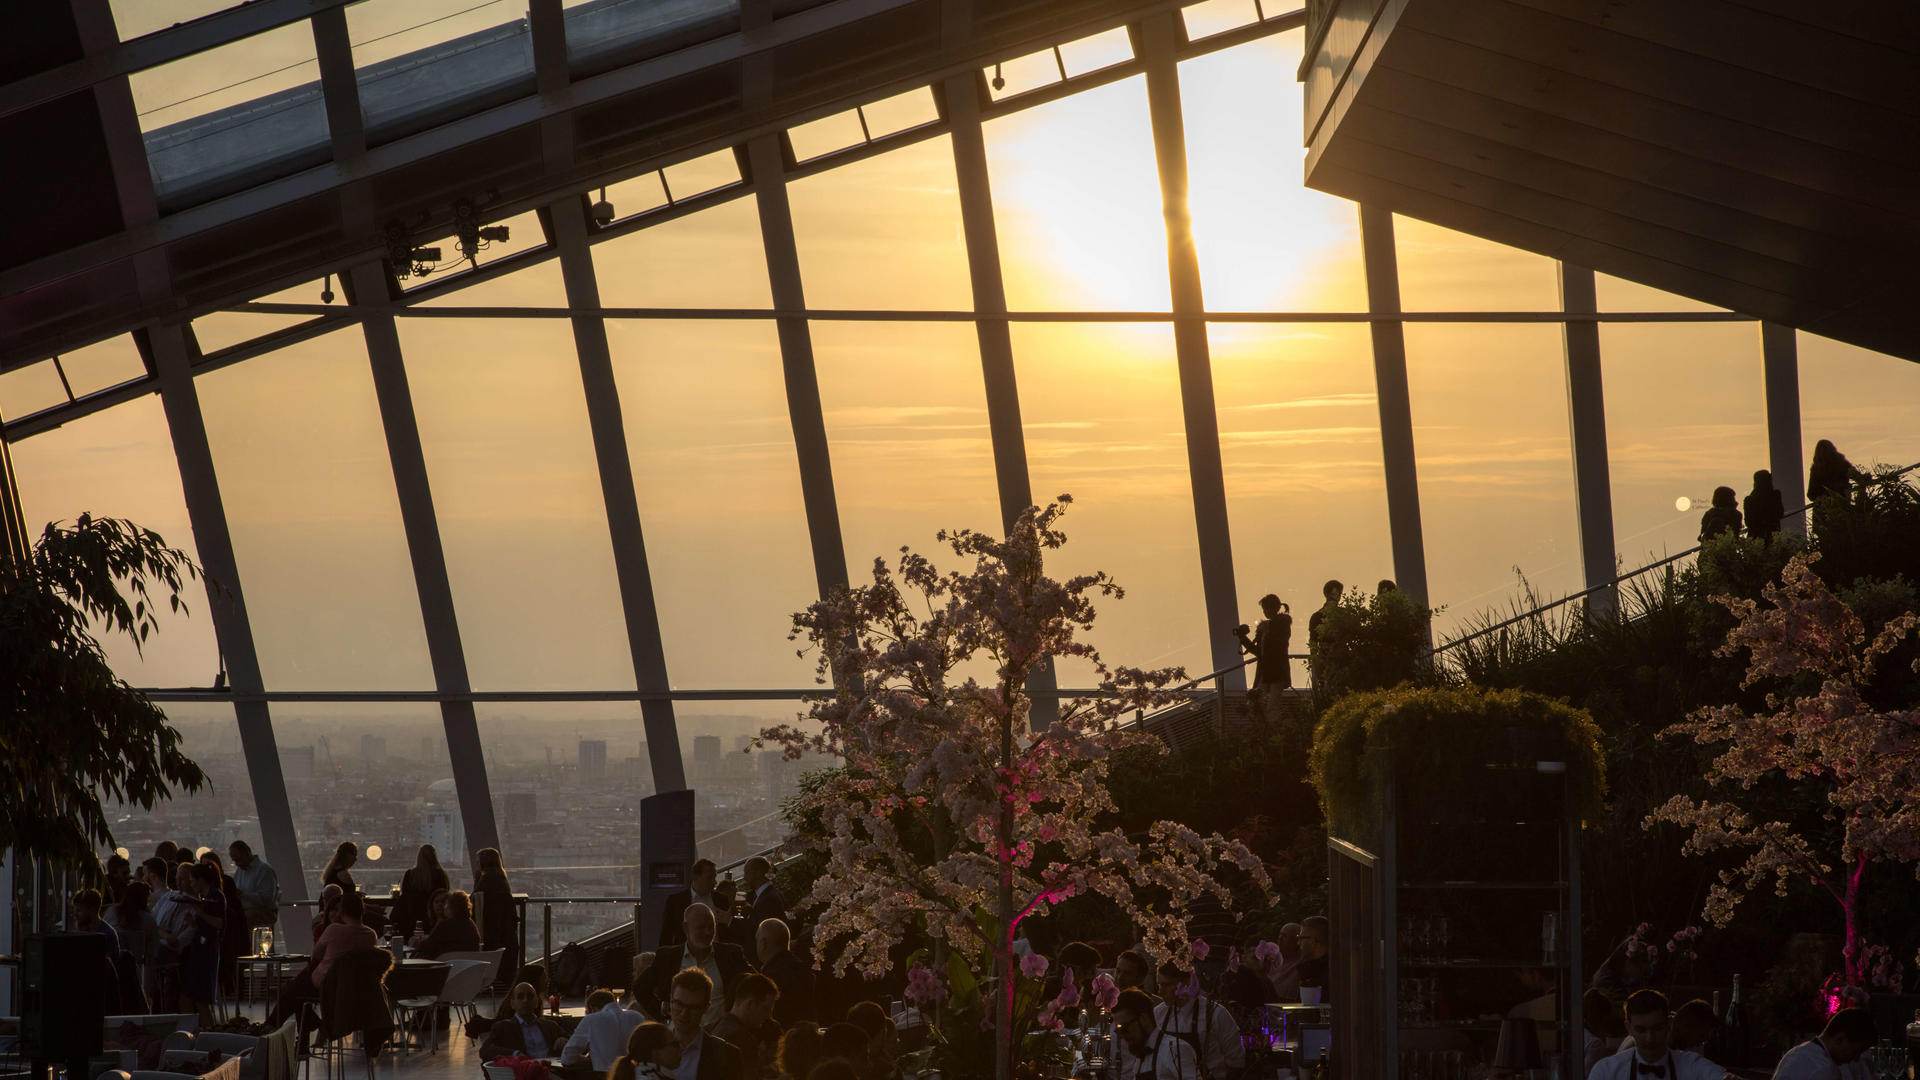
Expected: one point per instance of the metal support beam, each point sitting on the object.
(766, 164)
(1396, 406)
(226, 601)
(1780, 360)
(16, 541)
(1587, 420)
(429, 559)
(617, 488)
(1157, 41)
(962, 98)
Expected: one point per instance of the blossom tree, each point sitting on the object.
(1819, 729)
(952, 814)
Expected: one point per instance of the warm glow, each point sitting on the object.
(373, 853)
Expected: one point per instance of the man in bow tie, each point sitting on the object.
(1651, 1058)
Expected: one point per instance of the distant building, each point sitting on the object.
(296, 762)
(440, 823)
(706, 755)
(373, 748)
(593, 760)
(522, 808)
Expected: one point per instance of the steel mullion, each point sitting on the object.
(1394, 401)
(1587, 436)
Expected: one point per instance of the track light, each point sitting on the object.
(602, 211)
(326, 289)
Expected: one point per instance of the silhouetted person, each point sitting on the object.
(1268, 645)
(1722, 518)
(1831, 472)
(1386, 586)
(1763, 507)
(1331, 591)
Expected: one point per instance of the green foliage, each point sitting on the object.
(74, 734)
(1448, 733)
(1370, 643)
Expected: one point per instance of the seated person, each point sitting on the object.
(347, 933)
(749, 1023)
(455, 932)
(1647, 1023)
(883, 1039)
(602, 1033)
(523, 1031)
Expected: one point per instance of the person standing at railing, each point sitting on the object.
(1722, 518)
(1831, 473)
(762, 901)
(1763, 507)
(499, 923)
(417, 886)
(1331, 593)
(1272, 672)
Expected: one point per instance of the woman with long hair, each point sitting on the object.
(236, 936)
(652, 1051)
(417, 887)
(338, 867)
(499, 927)
(455, 932)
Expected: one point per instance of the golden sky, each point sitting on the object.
(308, 488)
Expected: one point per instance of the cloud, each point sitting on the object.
(1322, 401)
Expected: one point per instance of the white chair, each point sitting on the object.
(492, 958)
(451, 992)
(464, 983)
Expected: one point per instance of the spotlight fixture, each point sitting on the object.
(404, 259)
(326, 289)
(998, 82)
(602, 211)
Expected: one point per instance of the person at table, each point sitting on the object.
(1130, 971)
(1652, 1057)
(258, 884)
(495, 912)
(749, 1026)
(457, 932)
(703, 1056)
(700, 891)
(762, 901)
(1316, 936)
(417, 887)
(346, 932)
(773, 950)
(339, 869)
(1848, 1035)
(601, 1036)
(524, 1030)
(1142, 1050)
(721, 961)
(652, 1053)
(1191, 1016)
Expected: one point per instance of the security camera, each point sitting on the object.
(603, 213)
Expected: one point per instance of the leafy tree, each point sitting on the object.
(1821, 732)
(74, 734)
(953, 817)
(1370, 643)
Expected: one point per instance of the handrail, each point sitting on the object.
(1612, 582)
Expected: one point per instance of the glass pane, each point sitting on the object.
(1496, 474)
(1101, 408)
(517, 491)
(906, 414)
(602, 30)
(706, 173)
(376, 774)
(29, 389)
(1685, 414)
(1022, 73)
(137, 18)
(424, 62)
(1102, 50)
(1300, 440)
(217, 814)
(900, 112)
(103, 364)
(1266, 241)
(1077, 203)
(1619, 294)
(719, 487)
(1211, 17)
(637, 195)
(1443, 270)
(884, 232)
(222, 329)
(308, 489)
(1864, 401)
(235, 115)
(709, 259)
(119, 463)
(539, 285)
(826, 135)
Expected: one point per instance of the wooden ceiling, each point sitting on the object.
(1761, 155)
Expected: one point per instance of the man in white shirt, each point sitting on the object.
(602, 1034)
(1651, 1058)
(1199, 1022)
(257, 884)
(174, 919)
(1849, 1033)
(1144, 1052)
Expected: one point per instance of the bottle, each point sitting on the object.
(1321, 1070)
(1733, 1025)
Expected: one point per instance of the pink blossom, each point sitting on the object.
(1268, 953)
(924, 988)
(1200, 949)
(1033, 965)
(1105, 993)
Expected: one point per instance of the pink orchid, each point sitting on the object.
(1200, 949)
(1033, 965)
